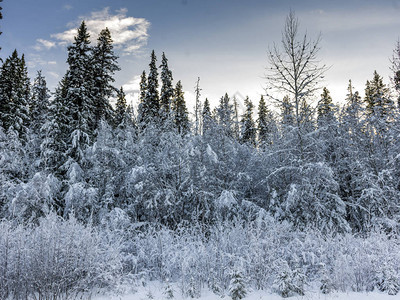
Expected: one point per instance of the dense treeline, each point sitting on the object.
(327, 167)
(319, 167)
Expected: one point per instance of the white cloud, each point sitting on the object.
(128, 33)
(44, 44)
(132, 90)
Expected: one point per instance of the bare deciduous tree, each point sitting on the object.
(294, 67)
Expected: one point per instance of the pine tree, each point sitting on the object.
(353, 111)
(56, 131)
(80, 102)
(236, 126)
(14, 94)
(38, 114)
(167, 90)
(377, 100)
(206, 117)
(143, 87)
(181, 116)
(237, 286)
(104, 64)
(225, 114)
(142, 108)
(40, 102)
(325, 108)
(151, 104)
(120, 108)
(248, 126)
(265, 123)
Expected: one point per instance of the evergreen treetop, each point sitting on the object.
(181, 116)
(325, 108)
(104, 64)
(167, 90)
(248, 127)
(206, 116)
(152, 100)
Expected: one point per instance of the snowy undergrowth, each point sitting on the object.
(155, 290)
(61, 259)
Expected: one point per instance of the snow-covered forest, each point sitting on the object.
(293, 195)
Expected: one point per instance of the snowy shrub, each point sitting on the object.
(56, 259)
(193, 290)
(326, 286)
(387, 280)
(288, 282)
(237, 285)
(35, 198)
(168, 290)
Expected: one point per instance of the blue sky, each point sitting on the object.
(224, 42)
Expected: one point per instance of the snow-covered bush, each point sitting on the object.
(56, 259)
(387, 280)
(237, 285)
(168, 290)
(289, 282)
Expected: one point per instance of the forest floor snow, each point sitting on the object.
(155, 291)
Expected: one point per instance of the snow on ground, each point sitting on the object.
(156, 291)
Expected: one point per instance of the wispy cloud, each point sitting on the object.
(44, 44)
(67, 7)
(129, 34)
(54, 74)
(37, 61)
(367, 18)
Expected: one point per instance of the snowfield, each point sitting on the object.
(155, 290)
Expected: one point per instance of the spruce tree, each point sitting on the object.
(142, 108)
(120, 108)
(14, 94)
(56, 131)
(248, 126)
(104, 64)
(353, 112)
(40, 102)
(151, 103)
(181, 117)
(206, 117)
(325, 108)
(167, 90)
(377, 99)
(263, 123)
(143, 87)
(237, 286)
(225, 115)
(236, 126)
(79, 100)
(353, 103)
